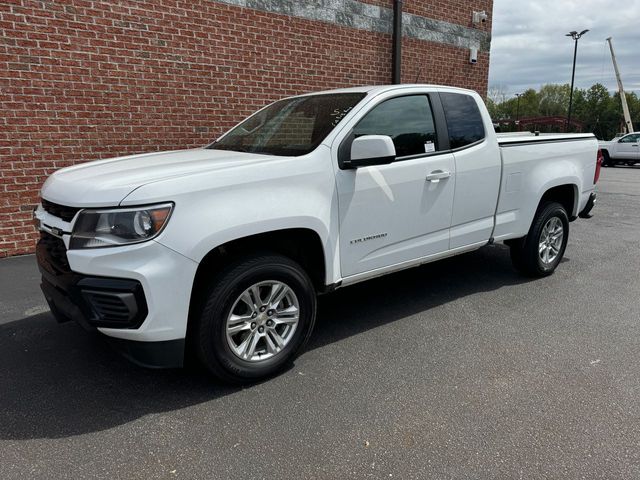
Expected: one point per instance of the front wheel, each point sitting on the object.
(539, 253)
(257, 315)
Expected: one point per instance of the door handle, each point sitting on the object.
(438, 175)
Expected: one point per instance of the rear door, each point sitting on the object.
(396, 213)
(478, 169)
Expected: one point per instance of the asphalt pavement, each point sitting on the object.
(458, 369)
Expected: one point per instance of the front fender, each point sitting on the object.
(213, 209)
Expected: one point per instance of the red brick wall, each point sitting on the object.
(453, 11)
(83, 80)
(443, 64)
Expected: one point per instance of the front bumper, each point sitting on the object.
(137, 295)
(94, 302)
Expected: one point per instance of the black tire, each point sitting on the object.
(606, 159)
(524, 252)
(209, 331)
(631, 164)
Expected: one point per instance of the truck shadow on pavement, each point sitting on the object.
(59, 381)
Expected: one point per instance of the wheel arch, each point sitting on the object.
(607, 161)
(303, 245)
(566, 194)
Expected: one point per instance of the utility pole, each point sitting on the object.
(518, 106)
(575, 36)
(623, 97)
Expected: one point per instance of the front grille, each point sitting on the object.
(60, 211)
(51, 252)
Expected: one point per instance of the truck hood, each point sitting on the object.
(107, 182)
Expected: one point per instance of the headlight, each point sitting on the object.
(119, 226)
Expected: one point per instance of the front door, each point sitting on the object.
(628, 147)
(396, 213)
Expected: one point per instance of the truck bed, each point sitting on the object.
(551, 159)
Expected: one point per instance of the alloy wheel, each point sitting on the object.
(551, 240)
(262, 321)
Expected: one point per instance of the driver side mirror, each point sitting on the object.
(370, 150)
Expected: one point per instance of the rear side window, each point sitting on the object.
(464, 121)
(407, 120)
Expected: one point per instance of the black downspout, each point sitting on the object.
(396, 56)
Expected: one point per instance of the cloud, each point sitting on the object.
(529, 47)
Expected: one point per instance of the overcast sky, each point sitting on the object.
(529, 49)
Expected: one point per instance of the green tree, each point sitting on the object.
(526, 106)
(599, 111)
(494, 108)
(634, 110)
(553, 100)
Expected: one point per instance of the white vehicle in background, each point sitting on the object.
(223, 249)
(624, 149)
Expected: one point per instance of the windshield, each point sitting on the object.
(290, 127)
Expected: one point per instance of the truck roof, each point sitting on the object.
(376, 89)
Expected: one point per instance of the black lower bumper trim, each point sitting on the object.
(167, 354)
(95, 302)
(92, 301)
(586, 211)
(61, 305)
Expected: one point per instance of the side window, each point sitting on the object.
(629, 139)
(407, 120)
(464, 120)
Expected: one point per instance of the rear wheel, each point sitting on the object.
(257, 315)
(606, 159)
(539, 253)
(631, 164)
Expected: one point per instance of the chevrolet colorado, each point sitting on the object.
(623, 149)
(222, 250)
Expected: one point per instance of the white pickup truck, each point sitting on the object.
(624, 149)
(222, 250)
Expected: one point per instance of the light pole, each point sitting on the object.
(575, 36)
(518, 106)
